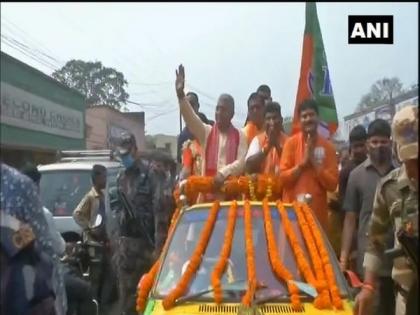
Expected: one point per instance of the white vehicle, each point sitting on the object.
(64, 184)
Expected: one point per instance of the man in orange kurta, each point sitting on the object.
(255, 119)
(309, 164)
(266, 148)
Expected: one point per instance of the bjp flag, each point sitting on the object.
(314, 80)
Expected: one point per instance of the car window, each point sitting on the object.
(62, 190)
(185, 239)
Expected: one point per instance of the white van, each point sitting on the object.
(65, 183)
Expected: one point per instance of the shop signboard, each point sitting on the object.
(22, 109)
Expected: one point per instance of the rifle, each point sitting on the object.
(132, 216)
(409, 248)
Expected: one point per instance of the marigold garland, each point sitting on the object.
(269, 191)
(250, 259)
(263, 186)
(195, 260)
(224, 254)
(198, 184)
(323, 300)
(235, 186)
(251, 189)
(325, 258)
(301, 260)
(149, 278)
(276, 265)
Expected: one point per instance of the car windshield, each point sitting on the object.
(185, 239)
(62, 190)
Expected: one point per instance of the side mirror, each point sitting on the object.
(98, 220)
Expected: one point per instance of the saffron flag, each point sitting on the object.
(314, 80)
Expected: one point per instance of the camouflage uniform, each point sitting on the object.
(141, 236)
(395, 205)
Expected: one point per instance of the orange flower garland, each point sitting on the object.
(146, 286)
(198, 184)
(323, 300)
(332, 284)
(235, 186)
(276, 265)
(251, 190)
(195, 259)
(149, 278)
(250, 260)
(302, 263)
(224, 254)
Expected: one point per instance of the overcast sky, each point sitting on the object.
(225, 48)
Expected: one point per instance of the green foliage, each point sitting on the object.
(99, 84)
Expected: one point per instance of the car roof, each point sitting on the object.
(78, 165)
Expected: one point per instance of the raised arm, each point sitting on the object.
(192, 121)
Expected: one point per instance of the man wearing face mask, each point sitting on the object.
(358, 204)
(396, 208)
(143, 222)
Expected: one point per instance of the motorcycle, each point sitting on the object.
(85, 262)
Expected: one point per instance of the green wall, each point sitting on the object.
(31, 80)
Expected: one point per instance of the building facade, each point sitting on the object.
(384, 111)
(104, 124)
(164, 143)
(39, 115)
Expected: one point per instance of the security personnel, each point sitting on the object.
(395, 206)
(143, 221)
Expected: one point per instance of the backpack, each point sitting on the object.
(26, 282)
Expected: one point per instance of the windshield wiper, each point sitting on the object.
(201, 293)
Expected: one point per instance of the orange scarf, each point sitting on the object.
(272, 161)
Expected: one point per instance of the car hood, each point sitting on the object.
(155, 307)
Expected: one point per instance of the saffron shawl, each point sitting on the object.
(212, 148)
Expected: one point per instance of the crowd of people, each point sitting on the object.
(370, 191)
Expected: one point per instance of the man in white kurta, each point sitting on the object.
(224, 146)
